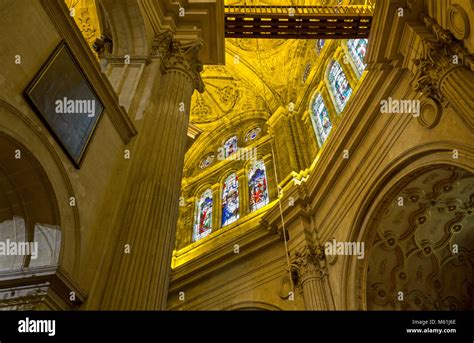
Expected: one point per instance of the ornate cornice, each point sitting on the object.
(182, 56)
(42, 286)
(308, 263)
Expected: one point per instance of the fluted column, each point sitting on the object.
(310, 273)
(139, 279)
(457, 86)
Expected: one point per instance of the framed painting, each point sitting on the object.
(66, 102)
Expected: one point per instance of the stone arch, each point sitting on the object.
(386, 187)
(131, 34)
(252, 306)
(28, 210)
(44, 172)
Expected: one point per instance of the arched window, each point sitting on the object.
(252, 134)
(357, 50)
(230, 146)
(320, 44)
(339, 86)
(230, 199)
(320, 118)
(258, 191)
(206, 161)
(306, 72)
(203, 221)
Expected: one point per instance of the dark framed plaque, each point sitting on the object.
(66, 102)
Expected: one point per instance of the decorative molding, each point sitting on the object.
(458, 22)
(309, 263)
(214, 253)
(181, 56)
(437, 61)
(45, 286)
(430, 113)
(424, 248)
(331, 259)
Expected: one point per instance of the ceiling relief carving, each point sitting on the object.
(256, 45)
(256, 77)
(86, 18)
(201, 112)
(424, 245)
(219, 99)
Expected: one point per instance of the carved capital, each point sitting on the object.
(103, 45)
(308, 263)
(182, 56)
(441, 54)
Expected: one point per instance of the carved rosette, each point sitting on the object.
(180, 56)
(309, 263)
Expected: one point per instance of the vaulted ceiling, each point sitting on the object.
(259, 76)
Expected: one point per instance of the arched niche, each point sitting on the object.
(409, 224)
(28, 210)
(35, 193)
(422, 255)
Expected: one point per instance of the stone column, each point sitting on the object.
(309, 271)
(457, 85)
(139, 279)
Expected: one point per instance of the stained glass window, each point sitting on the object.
(230, 146)
(252, 134)
(357, 50)
(320, 118)
(203, 222)
(340, 88)
(206, 161)
(306, 72)
(320, 44)
(258, 191)
(230, 199)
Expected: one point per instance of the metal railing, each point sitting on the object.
(301, 10)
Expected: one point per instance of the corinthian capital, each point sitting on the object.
(441, 54)
(309, 263)
(177, 55)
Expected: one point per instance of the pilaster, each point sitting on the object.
(309, 272)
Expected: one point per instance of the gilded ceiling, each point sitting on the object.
(259, 75)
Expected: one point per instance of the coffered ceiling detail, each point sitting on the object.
(424, 246)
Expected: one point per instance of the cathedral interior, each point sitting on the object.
(237, 155)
